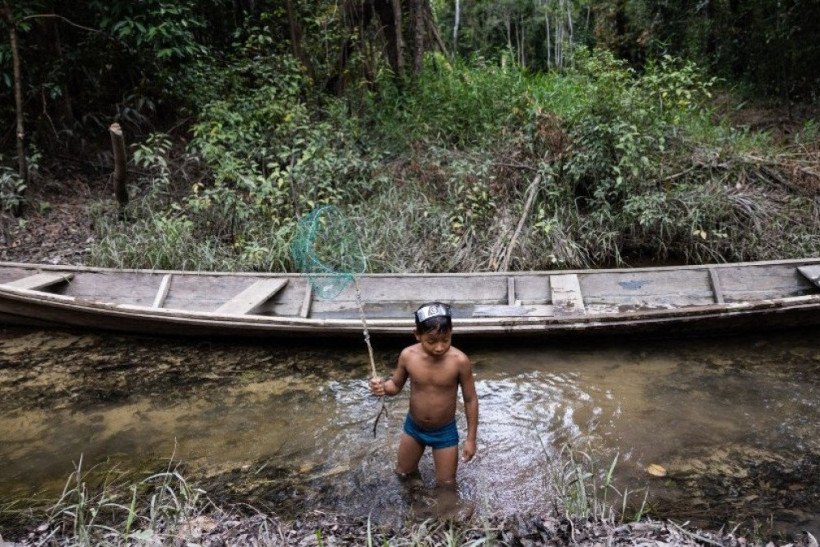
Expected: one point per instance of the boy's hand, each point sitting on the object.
(377, 386)
(469, 451)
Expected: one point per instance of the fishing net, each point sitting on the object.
(326, 248)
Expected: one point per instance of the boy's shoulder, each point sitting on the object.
(412, 348)
(459, 355)
(410, 351)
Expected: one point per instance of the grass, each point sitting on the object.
(584, 487)
(101, 506)
(109, 506)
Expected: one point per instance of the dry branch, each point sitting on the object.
(532, 191)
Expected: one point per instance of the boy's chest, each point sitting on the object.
(439, 376)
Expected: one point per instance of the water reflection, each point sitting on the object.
(733, 421)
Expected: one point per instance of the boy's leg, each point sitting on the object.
(410, 451)
(446, 462)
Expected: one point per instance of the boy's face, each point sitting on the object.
(435, 344)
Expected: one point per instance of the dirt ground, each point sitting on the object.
(56, 227)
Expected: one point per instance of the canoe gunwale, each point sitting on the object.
(291, 275)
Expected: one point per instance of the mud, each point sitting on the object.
(59, 370)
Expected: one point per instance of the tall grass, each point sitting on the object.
(584, 487)
(111, 506)
(114, 507)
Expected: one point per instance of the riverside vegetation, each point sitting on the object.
(604, 166)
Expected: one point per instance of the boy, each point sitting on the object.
(436, 370)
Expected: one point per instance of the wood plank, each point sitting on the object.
(649, 289)
(39, 281)
(251, 297)
(566, 295)
(510, 291)
(812, 273)
(537, 310)
(162, 293)
(716, 287)
(305, 310)
(484, 289)
(755, 283)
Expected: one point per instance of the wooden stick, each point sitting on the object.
(374, 374)
(530, 199)
(364, 328)
(695, 536)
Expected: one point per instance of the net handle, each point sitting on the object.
(366, 332)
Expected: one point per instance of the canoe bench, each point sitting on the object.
(40, 281)
(252, 297)
(812, 273)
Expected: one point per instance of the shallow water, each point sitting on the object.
(733, 421)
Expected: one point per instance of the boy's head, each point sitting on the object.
(433, 318)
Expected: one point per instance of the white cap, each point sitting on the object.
(432, 310)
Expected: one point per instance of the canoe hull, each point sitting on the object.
(640, 302)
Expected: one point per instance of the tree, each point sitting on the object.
(382, 25)
(11, 20)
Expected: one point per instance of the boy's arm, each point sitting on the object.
(392, 385)
(470, 396)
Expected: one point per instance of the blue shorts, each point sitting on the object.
(443, 437)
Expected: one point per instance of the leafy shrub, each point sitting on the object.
(459, 104)
(11, 190)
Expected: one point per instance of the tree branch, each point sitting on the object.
(69, 21)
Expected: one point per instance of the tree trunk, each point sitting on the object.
(569, 26)
(398, 38)
(549, 45)
(120, 175)
(507, 26)
(296, 39)
(390, 17)
(417, 28)
(432, 28)
(353, 14)
(22, 166)
(455, 27)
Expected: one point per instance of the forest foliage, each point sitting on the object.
(437, 126)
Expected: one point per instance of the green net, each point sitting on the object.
(326, 248)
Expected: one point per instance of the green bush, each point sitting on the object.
(453, 104)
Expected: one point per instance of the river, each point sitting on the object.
(733, 422)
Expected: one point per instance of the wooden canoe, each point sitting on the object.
(666, 300)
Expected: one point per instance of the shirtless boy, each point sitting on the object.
(436, 370)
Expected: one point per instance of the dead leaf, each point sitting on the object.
(656, 470)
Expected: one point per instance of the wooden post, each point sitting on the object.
(120, 159)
